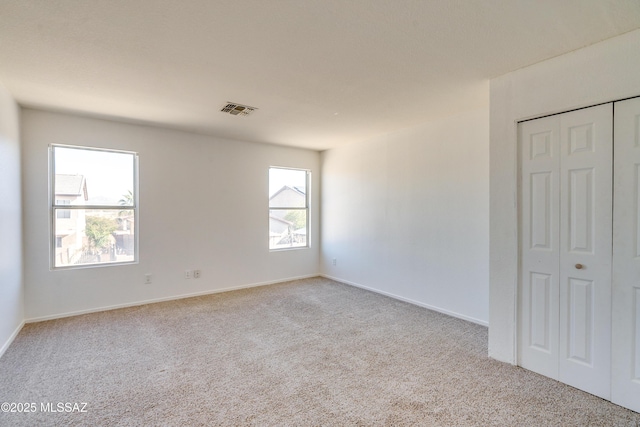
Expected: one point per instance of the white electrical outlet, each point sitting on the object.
(335, 261)
(187, 274)
(196, 274)
(147, 279)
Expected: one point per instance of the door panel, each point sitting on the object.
(541, 210)
(626, 257)
(539, 296)
(539, 309)
(586, 136)
(580, 321)
(581, 210)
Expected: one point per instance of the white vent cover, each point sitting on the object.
(237, 109)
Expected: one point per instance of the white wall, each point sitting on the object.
(203, 205)
(407, 214)
(599, 73)
(11, 281)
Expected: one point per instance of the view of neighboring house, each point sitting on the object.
(72, 244)
(125, 236)
(285, 227)
(70, 223)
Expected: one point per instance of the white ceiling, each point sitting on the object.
(322, 72)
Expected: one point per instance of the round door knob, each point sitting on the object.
(579, 266)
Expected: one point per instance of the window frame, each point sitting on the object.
(54, 207)
(306, 209)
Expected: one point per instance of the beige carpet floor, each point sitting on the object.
(304, 353)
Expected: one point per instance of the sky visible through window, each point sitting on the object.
(281, 177)
(109, 175)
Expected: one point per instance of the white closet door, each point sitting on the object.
(626, 257)
(540, 245)
(565, 234)
(586, 170)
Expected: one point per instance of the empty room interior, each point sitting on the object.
(320, 212)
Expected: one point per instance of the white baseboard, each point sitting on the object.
(410, 301)
(13, 336)
(234, 288)
(171, 298)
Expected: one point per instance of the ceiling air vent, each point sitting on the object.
(237, 109)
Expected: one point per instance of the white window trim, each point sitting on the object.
(53, 206)
(307, 208)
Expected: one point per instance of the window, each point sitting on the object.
(63, 213)
(94, 212)
(288, 208)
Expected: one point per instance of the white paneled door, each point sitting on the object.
(540, 246)
(626, 257)
(566, 240)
